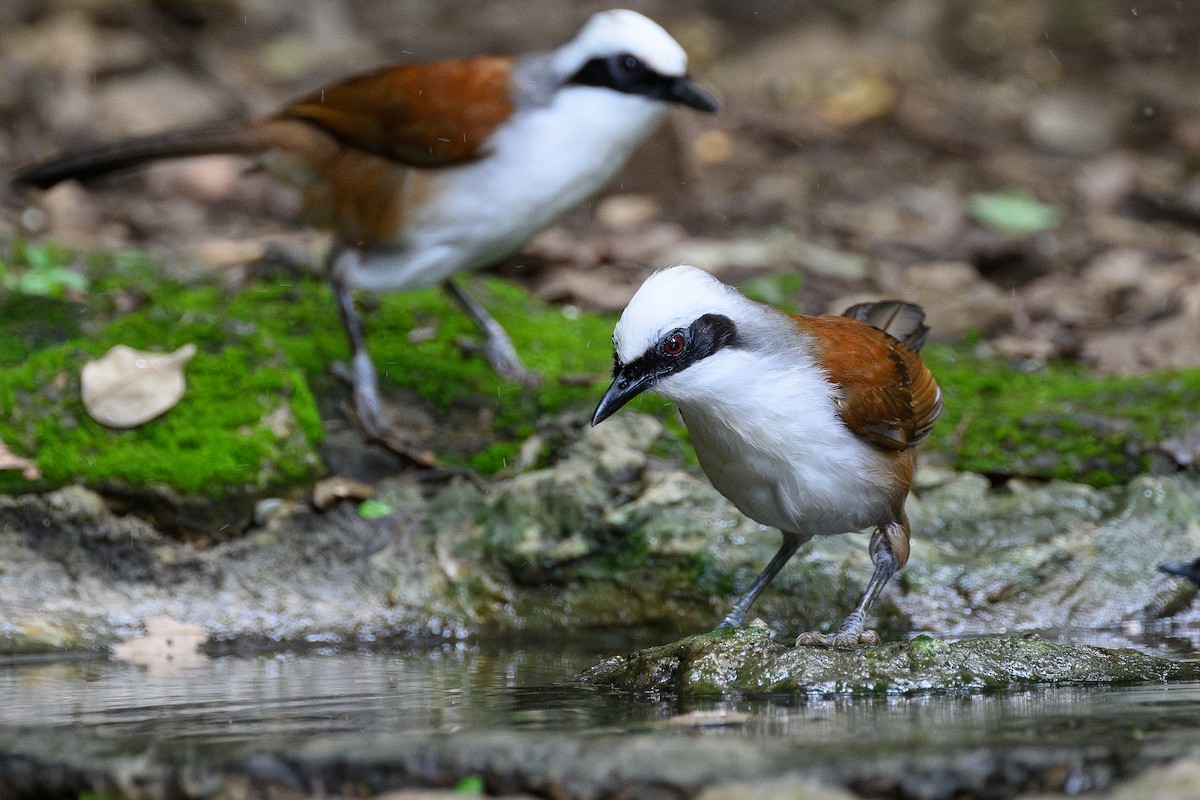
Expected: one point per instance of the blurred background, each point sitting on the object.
(1025, 170)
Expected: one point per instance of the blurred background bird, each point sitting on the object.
(807, 424)
(425, 170)
(1183, 569)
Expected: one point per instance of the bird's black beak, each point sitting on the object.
(624, 388)
(684, 91)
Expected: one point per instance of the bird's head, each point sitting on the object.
(628, 53)
(676, 322)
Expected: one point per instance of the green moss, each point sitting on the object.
(247, 422)
(1058, 422)
(747, 661)
(216, 442)
(572, 351)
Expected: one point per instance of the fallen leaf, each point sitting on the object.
(374, 509)
(330, 490)
(623, 212)
(713, 147)
(168, 643)
(715, 718)
(1013, 213)
(10, 460)
(128, 387)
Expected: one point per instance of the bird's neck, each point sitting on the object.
(757, 401)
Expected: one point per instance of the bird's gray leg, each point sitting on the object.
(368, 407)
(889, 552)
(791, 543)
(497, 346)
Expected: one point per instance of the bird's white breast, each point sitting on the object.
(768, 437)
(541, 163)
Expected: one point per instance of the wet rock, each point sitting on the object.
(543, 519)
(607, 537)
(748, 661)
(1178, 779)
(1038, 557)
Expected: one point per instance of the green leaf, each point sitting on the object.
(471, 784)
(1013, 213)
(373, 509)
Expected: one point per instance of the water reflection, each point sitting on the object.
(229, 700)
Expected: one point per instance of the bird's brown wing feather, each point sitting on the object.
(887, 394)
(427, 115)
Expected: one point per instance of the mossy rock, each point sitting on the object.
(1061, 421)
(747, 661)
(1057, 422)
(245, 428)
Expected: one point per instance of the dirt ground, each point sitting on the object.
(1023, 169)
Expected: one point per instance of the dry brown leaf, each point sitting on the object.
(10, 460)
(128, 387)
(330, 490)
(168, 643)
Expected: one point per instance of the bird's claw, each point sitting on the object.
(837, 641)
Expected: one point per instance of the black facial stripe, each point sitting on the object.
(607, 73)
(707, 335)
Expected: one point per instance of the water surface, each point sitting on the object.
(218, 706)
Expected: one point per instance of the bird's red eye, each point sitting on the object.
(630, 65)
(673, 344)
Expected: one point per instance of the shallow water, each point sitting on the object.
(220, 705)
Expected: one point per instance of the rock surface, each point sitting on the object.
(604, 537)
(746, 660)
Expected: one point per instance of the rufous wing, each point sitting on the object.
(428, 114)
(887, 394)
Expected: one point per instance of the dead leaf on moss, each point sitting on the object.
(168, 644)
(10, 460)
(330, 490)
(128, 387)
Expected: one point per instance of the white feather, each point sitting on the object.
(622, 31)
(762, 416)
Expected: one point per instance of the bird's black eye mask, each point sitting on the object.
(674, 352)
(682, 347)
(628, 74)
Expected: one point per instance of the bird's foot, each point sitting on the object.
(367, 414)
(497, 348)
(836, 640)
(731, 620)
(503, 358)
(848, 634)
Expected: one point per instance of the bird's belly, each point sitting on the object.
(817, 493)
(477, 214)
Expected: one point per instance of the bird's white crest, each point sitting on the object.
(618, 31)
(672, 298)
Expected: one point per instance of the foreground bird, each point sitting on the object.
(425, 170)
(805, 423)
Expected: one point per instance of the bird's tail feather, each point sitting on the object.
(94, 162)
(903, 321)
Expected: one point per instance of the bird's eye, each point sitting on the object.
(673, 344)
(628, 66)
